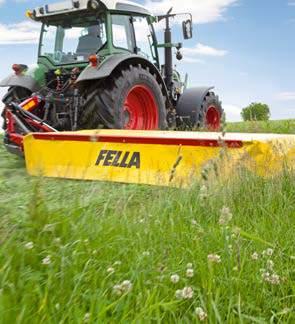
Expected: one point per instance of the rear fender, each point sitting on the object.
(117, 61)
(32, 79)
(190, 102)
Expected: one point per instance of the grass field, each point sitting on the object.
(84, 252)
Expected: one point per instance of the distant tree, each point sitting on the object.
(256, 111)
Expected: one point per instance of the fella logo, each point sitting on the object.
(118, 159)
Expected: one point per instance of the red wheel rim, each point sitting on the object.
(213, 118)
(140, 109)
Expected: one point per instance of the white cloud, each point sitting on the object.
(203, 50)
(25, 32)
(286, 96)
(203, 11)
(233, 112)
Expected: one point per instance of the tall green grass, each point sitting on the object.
(66, 247)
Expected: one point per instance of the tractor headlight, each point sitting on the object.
(94, 4)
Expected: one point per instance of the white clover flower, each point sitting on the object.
(194, 222)
(275, 279)
(146, 253)
(117, 290)
(269, 264)
(202, 315)
(174, 278)
(189, 266)
(110, 270)
(190, 273)
(203, 192)
(225, 216)
(214, 258)
(29, 245)
(126, 286)
(267, 252)
(117, 263)
(178, 294)
(47, 260)
(187, 293)
(255, 256)
(86, 317)
(57, 240)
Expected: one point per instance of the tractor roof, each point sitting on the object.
(75, 6)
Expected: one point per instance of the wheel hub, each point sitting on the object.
(140, 109)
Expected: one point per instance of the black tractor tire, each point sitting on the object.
(211, 113)
(128, 99)
(16, 95)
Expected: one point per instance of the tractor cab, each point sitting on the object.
(73, 31)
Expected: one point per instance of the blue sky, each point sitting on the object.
(245, 48)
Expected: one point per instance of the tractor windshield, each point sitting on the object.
(74, 43)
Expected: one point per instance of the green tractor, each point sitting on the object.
(99, 67)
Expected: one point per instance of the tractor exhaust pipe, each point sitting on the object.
(168, 51)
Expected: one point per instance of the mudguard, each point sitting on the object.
(32, 79)
(24, 81)
(190, 102)
(106, 68)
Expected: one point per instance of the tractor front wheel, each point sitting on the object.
(129, 99)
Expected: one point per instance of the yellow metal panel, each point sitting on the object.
(153, 164)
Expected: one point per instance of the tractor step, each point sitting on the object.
(154, 157)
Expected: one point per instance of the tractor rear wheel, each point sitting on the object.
(129, 99)
(211, 113)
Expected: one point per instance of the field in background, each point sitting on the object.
(73, 251)
(272, 126)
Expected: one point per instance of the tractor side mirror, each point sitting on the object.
(187, 27)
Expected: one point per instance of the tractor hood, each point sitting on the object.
(79, 6)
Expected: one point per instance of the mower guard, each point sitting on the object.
(155, 157)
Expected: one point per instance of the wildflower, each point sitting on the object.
(122, 288)
(174, 278)
(190, 273)
(203, 192)
(110, 270)
(49, 228)
(29, 245)
(194, 222)
(117, 263)
(255, 256)
(47, 260)
(178, 294)
(214, 258)
(126, 286)
(87, 317)
(274, 279)
(57, 240)
(269, 264)
(202, 315)
(187, 293)
(189, 266)
(267, 252)
(226, 216)
(146, 253)
(117, 290)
